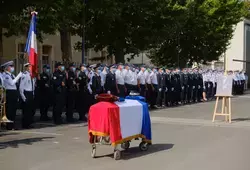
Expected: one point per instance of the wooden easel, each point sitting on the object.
(226, 109)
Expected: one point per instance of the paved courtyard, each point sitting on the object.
(184, 138)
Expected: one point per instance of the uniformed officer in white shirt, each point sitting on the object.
(153, 77)
(134, 80)
(142, 82)
(27, 88)
(128, 78)
(120, 81)
(10, 84)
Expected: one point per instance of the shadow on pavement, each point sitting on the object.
(135, 152)
(241, 119)
(16, 143)
(6, 133)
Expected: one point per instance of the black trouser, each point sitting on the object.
(189, 93)
(160, 96)
(71, 96)
(129, 88)
(28, 109)
(209, 89)
(195, 91)
(172, 96)
(121, 90)
(154, 94)
(59, 102)
(11, 106)
(149, 94)
(45, 102)
(199, 93)
(143, 90)
(184, 92)
(167, 95)
(83, 104)
(134, 88)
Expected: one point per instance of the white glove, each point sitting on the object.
(90, 91)
(172, 89)
(159, 89)
(166, 89)
(182, 87)
(109, 92)
(204, 87)
(193, 87)
(199, 86)
(96, 96)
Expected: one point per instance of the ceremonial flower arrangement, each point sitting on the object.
(106, 98)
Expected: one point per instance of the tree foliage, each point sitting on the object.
(203, 36)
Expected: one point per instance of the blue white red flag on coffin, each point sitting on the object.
(31, 46)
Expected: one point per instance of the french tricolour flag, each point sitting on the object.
(121, 121)
(31, 45)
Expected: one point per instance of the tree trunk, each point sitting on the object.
(66, 47)
(1, 45)
(119, 55)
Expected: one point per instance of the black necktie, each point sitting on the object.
(12, 76)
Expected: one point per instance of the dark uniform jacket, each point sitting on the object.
(45, 82)
(96, 84)
(70, 82)
(82, 80)
(110, 83)
(58, 78)
(161, 81)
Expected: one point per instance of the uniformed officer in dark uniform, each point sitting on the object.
(110, 84)
(185, 86)
(168, 87)
(195, 85)
(190, 86)
(161, 86)
(200, 86)
(27, 89)
(10, 85)
(59, 88)
(71, 92)
(82, 83)
(45, 88)
(96, 86)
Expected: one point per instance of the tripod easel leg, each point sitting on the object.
(215, 108)
(229, 109)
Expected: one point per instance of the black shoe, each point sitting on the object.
(27, 126)
(71, 120)
(44, 118)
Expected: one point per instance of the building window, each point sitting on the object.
(46, 52)
(20, 50)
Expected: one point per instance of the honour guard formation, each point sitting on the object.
(74, 89)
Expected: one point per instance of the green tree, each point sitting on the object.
(127, 26)
(203, 35)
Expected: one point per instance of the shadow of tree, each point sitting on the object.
(6, 133)
(135, 152)
(241, 119)
(16, 143)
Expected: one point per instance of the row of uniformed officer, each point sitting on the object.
(26, 88)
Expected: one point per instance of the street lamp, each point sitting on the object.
(83, 31)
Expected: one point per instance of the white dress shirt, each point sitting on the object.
(119, 77)
(9, 80)
(153, 77)
(103, 77)
(134, 80)
(142, 78)
(147, 77)
(26, 84)
(127, 76)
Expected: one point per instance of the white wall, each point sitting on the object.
(236, 48)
